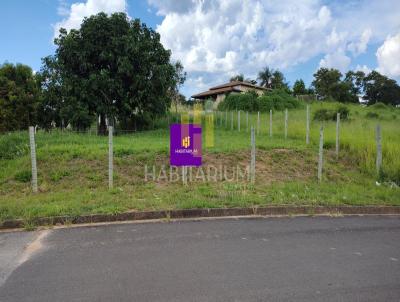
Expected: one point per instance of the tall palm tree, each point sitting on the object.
(265, 77)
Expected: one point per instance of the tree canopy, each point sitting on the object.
(374, 87)
(111, 67)
(299, 88)
(328, 85)
(19, 93)
(379, 88)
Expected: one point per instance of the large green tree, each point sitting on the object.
(278, 81)
(328, 84)
(379, 88)
(324, 81)
(111, 67)
(299, 88)
(356, 81)
(19, 93)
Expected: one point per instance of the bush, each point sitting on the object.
(330, 115)
(322, 115)
(379, 105)
(23, 176)
(344, 113)
(240, 101)
(58, 175)
(372, 115)
(13, 145)
(275, 100)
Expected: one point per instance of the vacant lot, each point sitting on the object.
(73, 167)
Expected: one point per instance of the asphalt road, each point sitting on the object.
(266, 259)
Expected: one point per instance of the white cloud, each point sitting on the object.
(359, 47)
(336, 60)
(388, 56)
(75, 14)
(247, 36)
(217, 38)
(363, 68)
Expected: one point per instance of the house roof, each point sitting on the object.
(224, 88)
(236, 83)
(217, 91)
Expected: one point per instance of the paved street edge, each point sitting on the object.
(212, 212)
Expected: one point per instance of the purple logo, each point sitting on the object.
(185, 145)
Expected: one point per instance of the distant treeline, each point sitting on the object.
(114, 70)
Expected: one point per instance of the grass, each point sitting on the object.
(73, 168)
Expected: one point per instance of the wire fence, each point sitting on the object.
(234, 131)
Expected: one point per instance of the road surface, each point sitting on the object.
(264, 259)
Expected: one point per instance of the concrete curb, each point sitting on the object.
(213, 212)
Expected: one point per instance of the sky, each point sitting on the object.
(216, 39)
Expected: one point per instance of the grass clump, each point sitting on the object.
(59, 174)
(379, 105)
(331, 115)
(372, 115)
(13, 145)
(23, 176)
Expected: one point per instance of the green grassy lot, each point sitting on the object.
(73, 168)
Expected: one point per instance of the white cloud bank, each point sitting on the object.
(388, 56)
(78, 11)
(215, 39)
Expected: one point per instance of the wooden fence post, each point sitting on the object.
(253, 157)
(286, 123)
(33, 159)
(110, 157)
(308, 125)
(378, 149)
(320, 153)
(337, 134)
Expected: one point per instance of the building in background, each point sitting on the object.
(218, 93)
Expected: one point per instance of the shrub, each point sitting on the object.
(276, 100)
(13, 145)
(330, 115)
(379, 105)
(240, 101)
(344, 113)
(23, 176)
(322, 115)
(58, 175)
(372, 115)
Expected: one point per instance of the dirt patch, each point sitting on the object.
(276, 165)
(271, 165)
